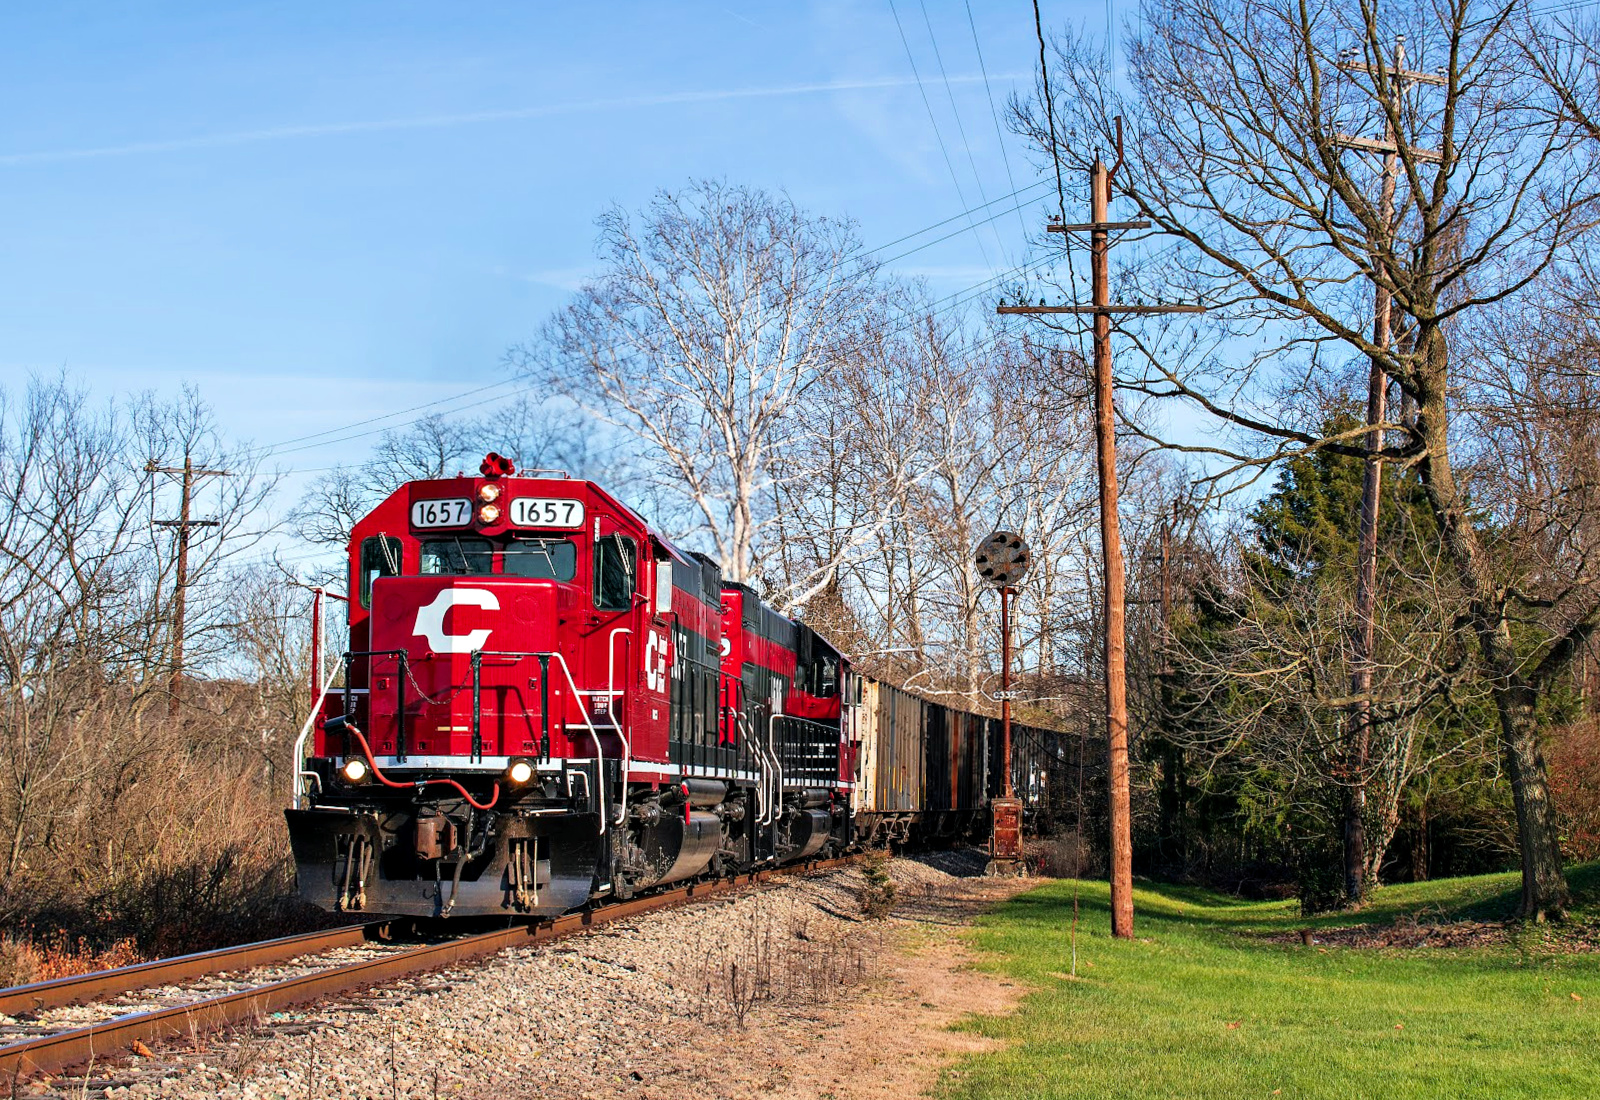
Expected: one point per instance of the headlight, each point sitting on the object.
(519, 772)
(488, 513)
(489, 493)
(354, 770)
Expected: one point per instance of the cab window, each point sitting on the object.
(615, 565)
(457, 556)
(380, 557)
(541, 559)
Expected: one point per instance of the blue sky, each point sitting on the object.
(323, 212)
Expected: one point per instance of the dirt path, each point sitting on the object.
(889, 1037)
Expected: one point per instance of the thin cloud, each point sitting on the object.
(433, 122)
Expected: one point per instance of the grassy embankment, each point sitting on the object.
(1210, 1001)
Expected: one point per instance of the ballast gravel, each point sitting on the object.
(639, 1007)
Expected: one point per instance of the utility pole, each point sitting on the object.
(1099, 228)
(189, 473)
(1387, 85)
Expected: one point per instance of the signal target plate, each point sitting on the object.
(1002, 559)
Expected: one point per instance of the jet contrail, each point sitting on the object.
(428, 122)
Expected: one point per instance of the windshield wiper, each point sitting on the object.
(542, 548)
(627, 566)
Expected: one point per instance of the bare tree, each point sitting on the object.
(97, 787)
(1241, 117)
(719, 309)
(952, 435)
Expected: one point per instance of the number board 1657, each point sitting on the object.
(546, 512)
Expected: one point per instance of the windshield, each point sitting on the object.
(541, 559)
(456, 556)
(380, 557)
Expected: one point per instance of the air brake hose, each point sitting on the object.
(366, 750)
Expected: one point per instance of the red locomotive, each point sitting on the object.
(545, 700)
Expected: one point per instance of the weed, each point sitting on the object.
(878, 891)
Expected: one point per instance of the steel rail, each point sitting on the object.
(112, 1038)
(80, 988)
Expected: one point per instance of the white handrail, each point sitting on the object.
(761, 758)
(769, 765)
(777, 791)
(300, 743)
(600, 751)
(611, 668)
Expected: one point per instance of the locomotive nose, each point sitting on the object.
(459, 665)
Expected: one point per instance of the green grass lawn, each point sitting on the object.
(1152, 1017)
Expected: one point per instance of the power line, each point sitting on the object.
(937, 308)
(1049, 110)
(950, 94)
(938, 136)
(958, 232)
(288, 446)
(994, 113)
(281, 444)
(1055, 158)
(1561, 8)
(957, 217)
(322, 439)
(978, 288)
(524, 388)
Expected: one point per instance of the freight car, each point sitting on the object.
(926, 771)
(544, 701)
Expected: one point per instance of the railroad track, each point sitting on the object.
(44, 1037)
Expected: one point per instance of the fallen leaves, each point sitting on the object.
(1234, 1025)
(138, 1047)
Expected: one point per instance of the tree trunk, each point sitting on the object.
(1419, 845)
(1355, 827)
(1544, 886)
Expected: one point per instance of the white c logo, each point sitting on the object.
(430, 620)
(655, 660)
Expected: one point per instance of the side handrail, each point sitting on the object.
(622, 735)
(761, 759)
(821, 734)
(772, 747)
(769, 768)
(612, 691)
(300, 772)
